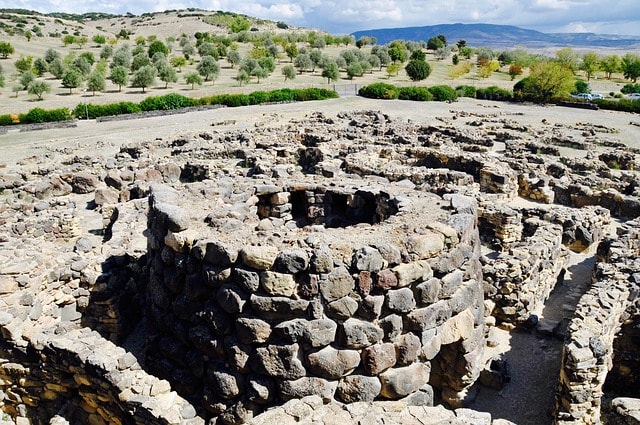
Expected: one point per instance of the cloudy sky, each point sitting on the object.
(346, 16)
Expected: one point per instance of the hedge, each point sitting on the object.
(379, 91)
(169, 101)
(421, 94)
(443, 93)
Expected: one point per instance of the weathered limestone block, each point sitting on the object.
(408, 273)
(355, 388)
(458, 327)
(278, 307)
(307, 386)
(259, 257)
(425, 246)
(277, 284)
(359, 334)
(251, 330)
(429, 317)
(400, 382)
(400, 300)
(367, 259)
(337, 284)
(215, 252)
(309, 333)
(378, 358)
(279, 361)
(331, 363)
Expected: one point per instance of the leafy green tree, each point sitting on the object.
(193, 78)
(397, 52)
(289, 72)
(27, 78)
(581, 87)
(548, 80)
(178, 62)
(354, 70)
(89, 57)
(119, 76)
(291, 50)
(267, 63)
(418, 55)
(243, 77)
(239, 24)
(158, 47)
(144, 77)
(121, 57)
(303, 62)
(139, 61)
(610, 64)
(417, 69)
(393, 69)
(568, 58)
(71, 80)
(24, 64)
(82, 65)
(630, 66)
(80, 41)
(374, 61)
(96, 82)
(166, 73)
(40, 66)
(233, 57)
(188, 50)
(208, 68)
(435, 43)
(6, 49)
(99, 39)
(38, 88)
(466, 52)
(590, 64)
(106, 52)
(208, 49)
(50, 55)
(57, 68)
(68, 39)
(259, 72)
(331, 72)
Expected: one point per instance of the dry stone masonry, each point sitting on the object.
(332, 268)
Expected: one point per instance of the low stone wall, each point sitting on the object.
(341, 315)
(83, 378)
(588, 353)
(520, 279)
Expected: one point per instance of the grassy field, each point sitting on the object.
(173, 24)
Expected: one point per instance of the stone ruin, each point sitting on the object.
(335, 268)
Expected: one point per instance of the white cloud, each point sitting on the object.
(340, 16)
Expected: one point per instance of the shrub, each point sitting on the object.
(494, 93)
(303, 95)
(282, 95)
(443, 93)
(39, 115)
(415, 93)
(6, 120)
(379, 91)
(258, 97)
(166, 102)
(630, 88)
(624, 105)
(466, 91)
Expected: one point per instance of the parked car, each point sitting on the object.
(596, 96)
(583, 96)
(634, 96)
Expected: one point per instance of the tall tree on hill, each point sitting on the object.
(630, 66)
(590, 64)
(610, 64)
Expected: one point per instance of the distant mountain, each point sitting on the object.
(489, 35)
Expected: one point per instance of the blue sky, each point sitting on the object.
(341, 17)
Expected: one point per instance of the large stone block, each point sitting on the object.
(337, 284)
(259, 257)
(307, 386)
(309, 333)
(402, 381)
(277, 284)
(407, 273)
(291, 261)
(425, 246)
(356, 388)
(429, 317)
(359, 334)
(279, 361)
(367, 259)
(400, 300)
(378, 358)
(251, 331)
(458, 327)
(331, 363)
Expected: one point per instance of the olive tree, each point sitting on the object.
(144, 77)
(38, 88)
(119, 76)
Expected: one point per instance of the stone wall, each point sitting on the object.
(345, 314)
(589, 354)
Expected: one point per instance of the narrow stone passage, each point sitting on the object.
(534, 357)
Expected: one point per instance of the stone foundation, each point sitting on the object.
(347, 314)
